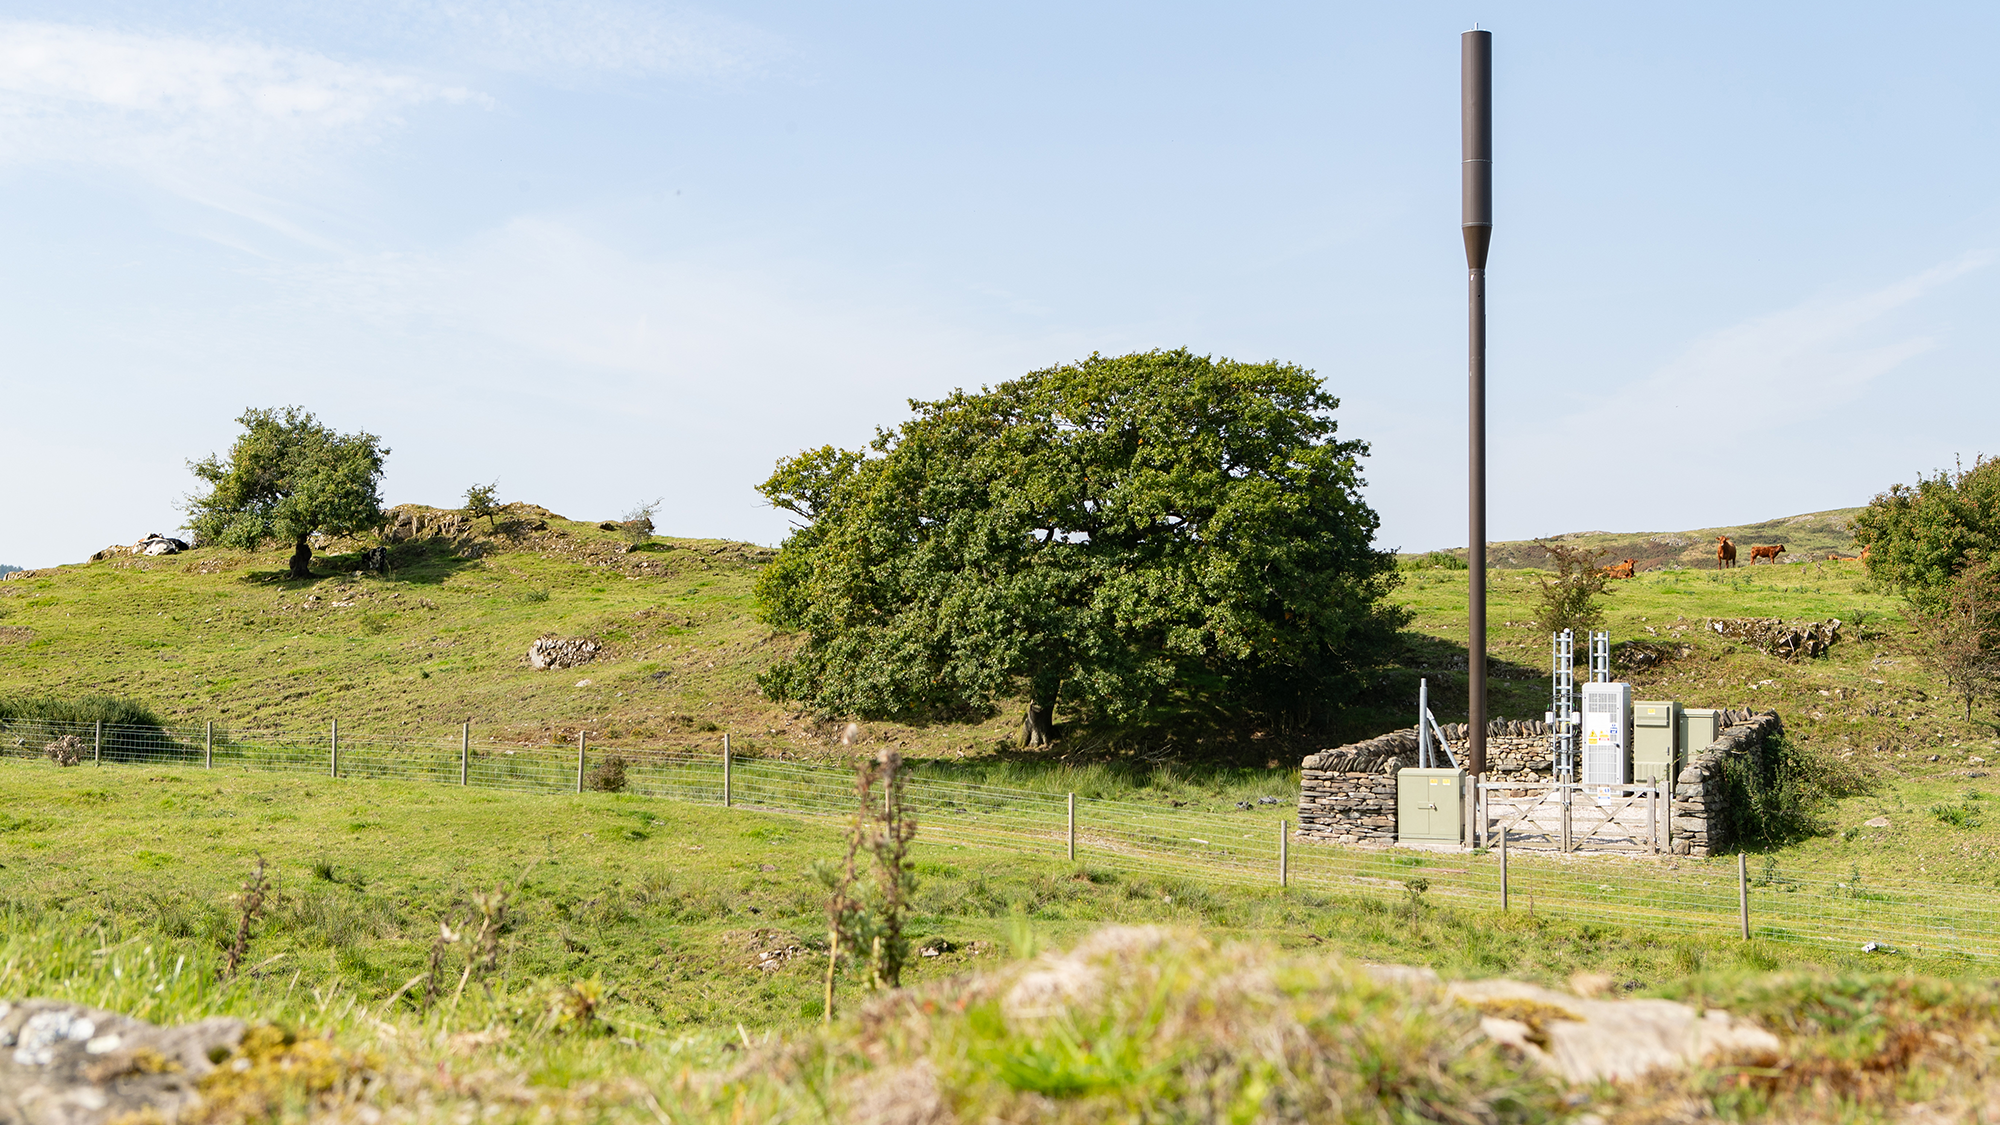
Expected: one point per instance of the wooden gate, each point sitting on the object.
(1567, 817)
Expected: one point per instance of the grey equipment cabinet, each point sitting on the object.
(1699, 727)
(1430, 806)
(1656, 749)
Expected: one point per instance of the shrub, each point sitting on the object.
(1568, 596)
(866, 912)
(1779, 799)
(112, 711)
(1919, 537)
(637, 526)
(607, 776)
(1962, 625)
(1435, 560)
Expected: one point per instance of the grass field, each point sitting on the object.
(691, 942)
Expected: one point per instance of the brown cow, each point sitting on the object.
(1864, 551)
(1725, 553)
(1770, 551)
(1621, 570)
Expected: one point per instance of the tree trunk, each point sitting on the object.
(1035, 727)
(302, 554)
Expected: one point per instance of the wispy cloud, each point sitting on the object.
(688, 331)
(594, 37)
(1802, 361)
(177, 106)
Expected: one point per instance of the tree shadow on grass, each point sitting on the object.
(426, 562)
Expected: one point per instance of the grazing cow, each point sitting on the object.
(1864, 551)
(1770, 551)
(1725, 553)
(1621, 570)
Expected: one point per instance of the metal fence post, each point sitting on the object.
(1072, 828)
(728, 796)
(1503, 868)
(1284, 853)
(1743, 891)
(97, 744)
(579, 761)
(465, 753)
(208, 747)
(333, 751)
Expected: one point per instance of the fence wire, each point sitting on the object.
(1674, 894)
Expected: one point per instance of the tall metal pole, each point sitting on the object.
(1476, 224)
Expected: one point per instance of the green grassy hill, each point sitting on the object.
(1807, 538)
(688, 937)
(442, 639)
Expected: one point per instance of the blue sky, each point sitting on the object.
(607, 251)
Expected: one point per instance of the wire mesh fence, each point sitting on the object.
(1251, 848)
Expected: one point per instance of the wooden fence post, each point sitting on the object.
(465, 752)
(579, 761)
(1743, 891)
(208, 747)
(333, 751)
(1284, 853)
(1072, 828)
(97, 744)
(1503, 868)
(728, 797)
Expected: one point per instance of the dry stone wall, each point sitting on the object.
(1697, 826)
(1347, 795)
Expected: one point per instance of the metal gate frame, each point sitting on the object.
(1620, 810)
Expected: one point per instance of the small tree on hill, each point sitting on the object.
(1962, 627)
(637, 526)
(289, 478)
(482, 501)
(1568, 597)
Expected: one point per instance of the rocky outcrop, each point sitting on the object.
(1775, 637)
(413, 521)
(65, 1064)
(153, 544)
(562, 652)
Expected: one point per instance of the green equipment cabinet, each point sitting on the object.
(1699, 727)
(1656, 745)
(1430, 806)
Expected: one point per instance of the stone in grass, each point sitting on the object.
(562, 652)
(1877, 822)
(65, 1064)
(1590, 1040)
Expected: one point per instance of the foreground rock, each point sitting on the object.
(65, 1064)
(1587, 1041)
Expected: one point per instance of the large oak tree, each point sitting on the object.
(288, 478)
(1150, 539)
